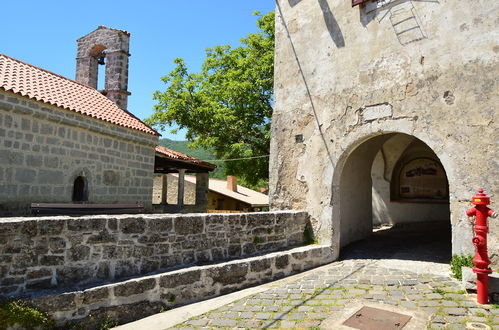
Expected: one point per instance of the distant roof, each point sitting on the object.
(243, 194)
(41, 85)
(175, 155)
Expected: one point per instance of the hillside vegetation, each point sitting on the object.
(199, 153)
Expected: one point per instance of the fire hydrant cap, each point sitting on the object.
(480, 198)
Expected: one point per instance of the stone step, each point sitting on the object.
(129, 300)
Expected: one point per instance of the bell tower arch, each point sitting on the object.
(109, 47)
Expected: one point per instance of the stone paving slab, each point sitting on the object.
(308, 301)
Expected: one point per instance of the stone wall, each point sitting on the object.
(137, 298)
(43, 149)
(64, 253)
(345, 76)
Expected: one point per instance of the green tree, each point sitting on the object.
(227, 106)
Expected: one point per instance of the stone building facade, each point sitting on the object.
(65, 142)
(385, 112)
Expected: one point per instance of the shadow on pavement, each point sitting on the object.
(419, 241)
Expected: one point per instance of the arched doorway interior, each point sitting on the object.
(80, 189)
(393, 180)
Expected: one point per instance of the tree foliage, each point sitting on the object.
(227, 106)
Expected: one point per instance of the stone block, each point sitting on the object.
(174, 280)
(124, 268)
(134, 287)
(143, 251)
(102, 237)
(282, 262)
(38, 273)
(83, 224)
(34, 160)
(260, 265)
(132, 225)
(78, 253)
(234, 250)
(24, 261)
(50, 177)
(25, 175)
(55, 303)
(229, 273)
(95, 295)
(68, 276)
(162, 225)
(52, 260)
(51, 227)
(189, 225)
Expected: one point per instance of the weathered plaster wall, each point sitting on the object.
(343, 75)
(61, 253)
(43, 149)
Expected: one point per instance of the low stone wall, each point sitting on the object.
(137, 298)
(67, 253)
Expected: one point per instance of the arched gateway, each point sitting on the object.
(390, 179)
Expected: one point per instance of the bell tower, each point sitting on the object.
(109, 47)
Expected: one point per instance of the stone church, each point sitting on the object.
(63, 141)
(385, 112)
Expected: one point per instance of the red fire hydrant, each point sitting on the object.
(481, 212)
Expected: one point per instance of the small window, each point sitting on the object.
(80, 190)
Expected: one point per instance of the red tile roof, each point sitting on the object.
(168, 153)
(44, 86)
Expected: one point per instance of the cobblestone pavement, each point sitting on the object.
(306, 302)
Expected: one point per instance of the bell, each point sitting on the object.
(101, 58)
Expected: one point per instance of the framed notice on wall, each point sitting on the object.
(423, 178)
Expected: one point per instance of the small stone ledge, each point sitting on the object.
(119, 301)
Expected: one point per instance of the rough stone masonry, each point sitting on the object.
(66, 253)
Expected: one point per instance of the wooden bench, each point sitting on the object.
(85, 209)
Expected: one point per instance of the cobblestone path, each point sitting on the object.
(378, 270)
(307, 302)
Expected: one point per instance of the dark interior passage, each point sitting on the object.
(429, 241)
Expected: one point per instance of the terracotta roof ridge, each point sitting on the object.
(48, 71)
(175, 151)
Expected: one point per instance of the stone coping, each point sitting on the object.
(143, 216)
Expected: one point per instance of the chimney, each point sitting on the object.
(231, 182)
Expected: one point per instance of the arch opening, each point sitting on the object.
(393, 188)
(80, 190)
(98, 52)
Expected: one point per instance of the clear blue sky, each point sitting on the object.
(44, 33)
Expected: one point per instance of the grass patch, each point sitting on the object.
(459, 261)
(442, 291)
(108, 323)
(18, 312)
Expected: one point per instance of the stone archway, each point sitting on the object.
(389, 178)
